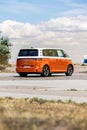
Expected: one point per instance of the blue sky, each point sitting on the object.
(45, 23)
(37, 11)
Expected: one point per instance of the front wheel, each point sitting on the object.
(45, 71)
(69, 70)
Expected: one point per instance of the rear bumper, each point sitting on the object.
(28, 70)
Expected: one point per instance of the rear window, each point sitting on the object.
(28, 52)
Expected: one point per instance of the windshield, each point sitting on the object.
(28, 52)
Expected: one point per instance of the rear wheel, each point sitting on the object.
(45, 71)
(23, 74)
(69, 70)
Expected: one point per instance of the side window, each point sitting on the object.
(60, 53)
(50, 52)
(65, 54)
(45, 52)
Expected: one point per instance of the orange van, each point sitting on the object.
(43, 61)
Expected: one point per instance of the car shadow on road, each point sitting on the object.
(37, 76)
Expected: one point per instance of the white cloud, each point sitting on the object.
(65, 32)
(53, 29)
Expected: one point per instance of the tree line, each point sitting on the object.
(5, 47)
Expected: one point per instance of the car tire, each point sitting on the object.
(45, 71)
(69, 70)
(23, 74)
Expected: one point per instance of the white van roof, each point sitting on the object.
(40, 48)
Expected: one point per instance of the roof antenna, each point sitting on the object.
(32, 47)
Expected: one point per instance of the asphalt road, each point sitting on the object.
(55, 87)
(15, 76)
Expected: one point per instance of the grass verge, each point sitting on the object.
(39, 114)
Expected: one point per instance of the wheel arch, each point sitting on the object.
(46, 65)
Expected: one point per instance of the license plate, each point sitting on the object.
(26, 66)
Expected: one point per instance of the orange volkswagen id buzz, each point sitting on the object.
(43, 61)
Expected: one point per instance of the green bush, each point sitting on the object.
(4, 50)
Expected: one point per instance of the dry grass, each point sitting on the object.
(38, 114)
(7, 68)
